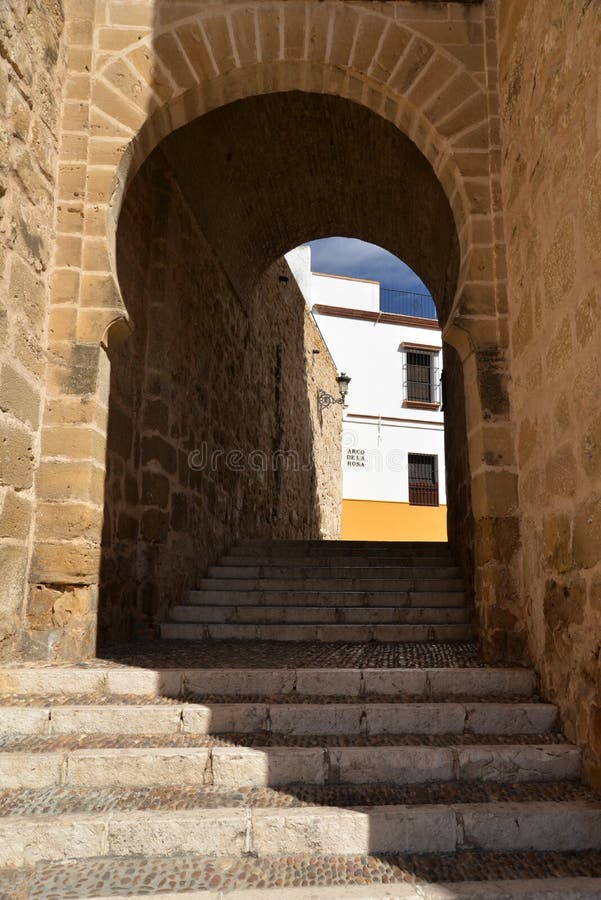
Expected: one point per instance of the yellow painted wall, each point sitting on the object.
(376, 520)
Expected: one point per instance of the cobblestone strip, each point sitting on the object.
(282, 654)
(55, 700)
(67, 742)
(64, 801)
(159, 875)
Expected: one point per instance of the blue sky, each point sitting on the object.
(358, 259)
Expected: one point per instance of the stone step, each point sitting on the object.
(327, 598)
(334, 550)
(561, 825)
(317, 545)
(439, 585)
(361, 561)
(368, 718)
(532, 876)
(421, 684)
(357, 633)
(322, 615)
(276, 766)
(333, 572)
(530, 889)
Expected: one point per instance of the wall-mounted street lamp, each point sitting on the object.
(324, 399)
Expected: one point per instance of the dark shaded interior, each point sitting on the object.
(220, 354)
(271, 172)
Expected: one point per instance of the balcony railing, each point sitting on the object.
(407, 303)
(421, 493)
(423, 479)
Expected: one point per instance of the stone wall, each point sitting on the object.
(460, 521)
(212, 413)
(420, 75)
(32, 69)
(550, 58)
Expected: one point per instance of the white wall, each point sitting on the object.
(299, 261)
(351, 293)
(384, 474)
(370, 353)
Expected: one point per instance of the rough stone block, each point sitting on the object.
(272, 767)
(481, 682)
(308, 718)
(58, 480)
(160, 683)
(410, 829)
(211, 832)
(16, 455)
(13, 565)
(239, 681)
(325, 830)
(510, 718)
(124, 719)
(72, 563)
(51, 680)
(225, 717)
(328, 681)
(38, 839)
(15, 516)
(31, 770)
(28, 292)
(544, 826)
(399, 765)
(400, 682)
(131, 767)
(518, 763)
(415, 718)
(21, 720)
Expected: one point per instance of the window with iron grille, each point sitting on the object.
(423, 480)
(420, 377)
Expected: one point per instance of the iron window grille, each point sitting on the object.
(421, 377)
(423, 480)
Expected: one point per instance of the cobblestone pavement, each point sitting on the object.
(305, 654)
(60, 801)
(119, 877)
(290, 698)
(180, 654)
(38, 743)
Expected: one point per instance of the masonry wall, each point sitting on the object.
(31, 79)
(550, 58)
(460, 521)
(212, 413)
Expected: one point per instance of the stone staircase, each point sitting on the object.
(282, 770)
(328, 591)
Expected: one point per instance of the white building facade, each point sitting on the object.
(393, 438)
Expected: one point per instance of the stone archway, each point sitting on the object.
(156, 67)
(204, 223)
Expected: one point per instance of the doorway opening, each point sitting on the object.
(380, 324)
(222, 361)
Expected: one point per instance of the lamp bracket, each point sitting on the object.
(324, 399)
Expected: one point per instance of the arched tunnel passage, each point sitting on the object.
(214, 434)
(268, 173)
